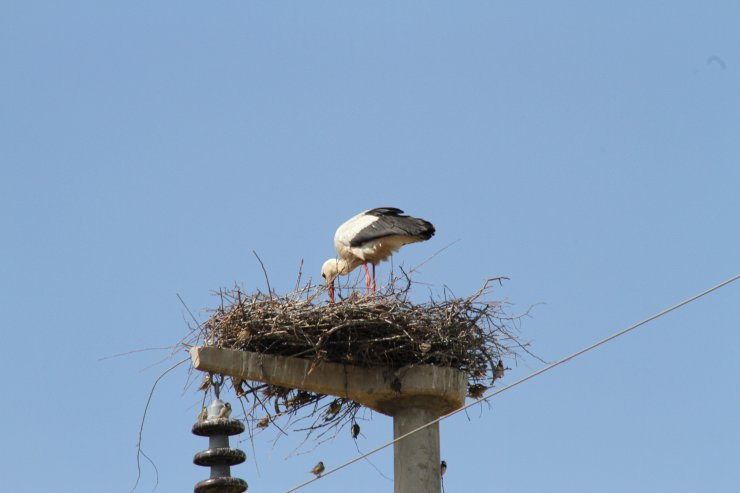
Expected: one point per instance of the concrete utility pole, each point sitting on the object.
(413, 396)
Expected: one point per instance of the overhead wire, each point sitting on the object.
(520, 381)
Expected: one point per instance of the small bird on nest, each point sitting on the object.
(318, 469)
(498, 372)
(263, 423)
(203, 415)
(476, 391)
(225, 411)
(372, 236)
(238, 385)
(334, 407)
(331, 411)
(205, 383)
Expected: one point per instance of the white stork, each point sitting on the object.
(372, 236)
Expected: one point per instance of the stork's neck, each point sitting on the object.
(345, 266)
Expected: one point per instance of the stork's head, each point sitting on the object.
(329, 271)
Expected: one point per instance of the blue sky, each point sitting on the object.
(588, 151)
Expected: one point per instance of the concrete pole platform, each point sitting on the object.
(413, 395)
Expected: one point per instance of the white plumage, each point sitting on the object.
(371, 237)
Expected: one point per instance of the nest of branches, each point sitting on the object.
(471, 334)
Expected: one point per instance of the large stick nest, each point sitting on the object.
(470, 334)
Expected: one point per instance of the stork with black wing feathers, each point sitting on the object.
(371, 237)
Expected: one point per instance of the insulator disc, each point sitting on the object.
(220, 457)
(221, 485)
(218, 426)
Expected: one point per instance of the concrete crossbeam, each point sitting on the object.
(438, 389)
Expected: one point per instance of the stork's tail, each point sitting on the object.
(421, 228)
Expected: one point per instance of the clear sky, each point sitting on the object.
(590, 151)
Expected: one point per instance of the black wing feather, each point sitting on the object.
(390, 222)
(384, 211)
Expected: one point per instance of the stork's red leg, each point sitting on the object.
(373, 280)
(367, 278)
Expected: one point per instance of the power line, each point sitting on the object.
(522, 380)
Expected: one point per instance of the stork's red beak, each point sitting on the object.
(330, 287)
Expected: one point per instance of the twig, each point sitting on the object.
(188, 310)
(139, 451)
(134, 351)
(298, 279)
(369, 462)
(415, 268)
(267, 279)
